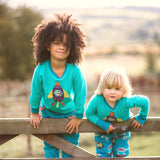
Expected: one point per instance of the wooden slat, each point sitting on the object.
(94, 158)
(65, 146)
(5, 138)
(10, 126)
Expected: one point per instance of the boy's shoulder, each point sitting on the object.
(45, 63)
(41, 67)
(75, 68)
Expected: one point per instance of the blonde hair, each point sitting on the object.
(115, 78)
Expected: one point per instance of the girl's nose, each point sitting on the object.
(113, 90)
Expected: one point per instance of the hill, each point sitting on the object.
(116, 26)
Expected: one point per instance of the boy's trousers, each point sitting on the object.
(49, 150)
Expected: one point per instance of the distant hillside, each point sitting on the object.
(113, 26)
(143, 9)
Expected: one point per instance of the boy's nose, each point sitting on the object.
(61, 45)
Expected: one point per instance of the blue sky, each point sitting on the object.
(44, 4)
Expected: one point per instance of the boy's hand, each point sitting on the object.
(35, 120)
(73, 124)
(110, 129)
(136, 124)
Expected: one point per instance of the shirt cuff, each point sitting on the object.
(80, 116)
(103, 124)
(35, 110)
(141, 119)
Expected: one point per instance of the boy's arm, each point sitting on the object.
(35, 98)
(36, 91)
(73, 124)
(80, 93)
(35, 120)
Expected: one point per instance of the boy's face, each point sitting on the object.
(112, 95)
(58, 50)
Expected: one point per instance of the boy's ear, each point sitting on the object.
(48, 49)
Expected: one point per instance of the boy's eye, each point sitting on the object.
(56, 42)
(65, 44)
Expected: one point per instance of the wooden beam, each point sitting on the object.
(96, 158)
(5, 138)
(65, 146)
(12, 126)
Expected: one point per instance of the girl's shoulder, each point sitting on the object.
(97, 98)
(134, 99)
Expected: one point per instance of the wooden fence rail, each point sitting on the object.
(12, 127)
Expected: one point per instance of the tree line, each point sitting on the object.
(16, 31)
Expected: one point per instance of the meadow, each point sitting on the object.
(141, 144)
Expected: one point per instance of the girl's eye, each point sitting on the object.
(108, 87)
(117, 89)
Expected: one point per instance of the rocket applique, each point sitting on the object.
(112, 118)
(58, 94)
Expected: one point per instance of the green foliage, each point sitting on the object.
(16, 31)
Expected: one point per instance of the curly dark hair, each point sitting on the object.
(51, 29)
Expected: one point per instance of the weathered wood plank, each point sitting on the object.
(5, 138)
(65, 146)
(94, 158)
(10, 126)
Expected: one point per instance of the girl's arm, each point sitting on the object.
(94, 118)
(143, 103)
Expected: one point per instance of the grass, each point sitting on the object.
(145, 145)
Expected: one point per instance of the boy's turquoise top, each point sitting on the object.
(61, 95)
(100, 113)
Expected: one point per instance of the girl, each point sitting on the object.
(112, 102)
(58, 85)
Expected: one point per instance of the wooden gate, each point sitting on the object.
(12, 127)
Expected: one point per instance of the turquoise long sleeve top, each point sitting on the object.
(101, 113)
(58, 94)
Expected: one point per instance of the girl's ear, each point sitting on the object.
(48, 49)
(123, 93)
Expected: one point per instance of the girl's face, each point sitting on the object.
(112, 95)
(58, 50)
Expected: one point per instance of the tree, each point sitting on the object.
(16, 31)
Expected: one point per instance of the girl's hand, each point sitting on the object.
(136, 124)
(35, 120)
(73, 124)
(110, 129)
